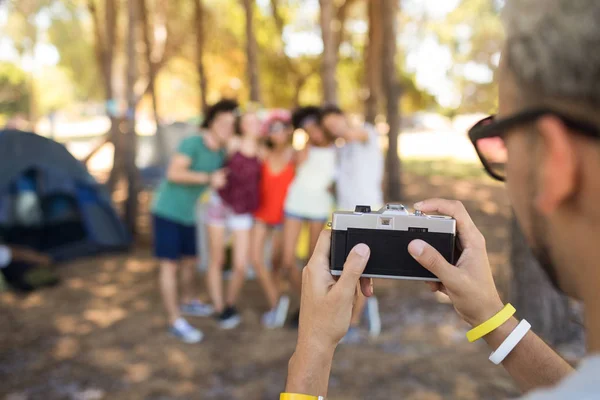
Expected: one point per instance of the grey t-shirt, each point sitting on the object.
(5, 256)
(582, 385)
(360, 173)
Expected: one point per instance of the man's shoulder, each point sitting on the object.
(581, 385)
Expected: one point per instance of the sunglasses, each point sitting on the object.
(488, 136)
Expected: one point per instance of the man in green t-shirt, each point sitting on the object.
(193, 169)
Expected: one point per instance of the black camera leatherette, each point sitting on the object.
(389, 250)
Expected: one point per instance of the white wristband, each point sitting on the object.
(510, 342)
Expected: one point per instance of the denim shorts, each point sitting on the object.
(219, 214)
(172, 240)
(275, 227)
(306, 219)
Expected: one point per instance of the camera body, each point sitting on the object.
(388, 232)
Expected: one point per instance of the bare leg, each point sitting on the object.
(241, 247)
(277, 254)
(168, 288)
(291, 232)
(315, 228)
(359, 307)
(188, 279)
(266, 279)
(214, 277)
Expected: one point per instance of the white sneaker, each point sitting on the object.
(183, 331)
(276, 317)
(373, 316)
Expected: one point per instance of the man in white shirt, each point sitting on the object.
(545, 142)
(359, 182)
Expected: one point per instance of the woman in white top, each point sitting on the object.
(309, 199)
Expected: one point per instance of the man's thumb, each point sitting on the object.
(431, 259)
(353, 268)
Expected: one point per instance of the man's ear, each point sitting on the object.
(557, 171)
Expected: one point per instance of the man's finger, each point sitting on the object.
(320, 257)
(353, 268)
(366, 286)
(432, 260)
(434, 286)
(467, 230)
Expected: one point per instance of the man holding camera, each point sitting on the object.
(546, 143)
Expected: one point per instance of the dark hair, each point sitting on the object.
(300, 115)
(237, 126)
(327, 110)
(222, 106)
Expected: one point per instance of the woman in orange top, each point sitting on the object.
(277, 173)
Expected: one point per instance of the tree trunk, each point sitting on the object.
(329, 60)
(131, 203)
(552, 315)
(104, 46)
(373, 61)
(251, 52)
(160, 154)
(200, 55)
(389, 11)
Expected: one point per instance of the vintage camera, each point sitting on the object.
(388, 232)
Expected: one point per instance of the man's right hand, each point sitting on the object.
(218, 179)
(469, 284)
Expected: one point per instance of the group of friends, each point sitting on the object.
(260, 188)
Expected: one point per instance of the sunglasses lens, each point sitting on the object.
(494, 154)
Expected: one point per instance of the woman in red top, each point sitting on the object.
(277, 173)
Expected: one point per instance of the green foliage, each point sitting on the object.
(70, 33)
(474, 34)
(14, 90)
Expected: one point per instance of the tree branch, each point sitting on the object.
(341, 16)
(99, 48)
(280, 24)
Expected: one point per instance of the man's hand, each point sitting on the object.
(469, 284)
(218, 179)
(326, 305)
(325, 313)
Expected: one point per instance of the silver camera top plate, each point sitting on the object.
(392, 217)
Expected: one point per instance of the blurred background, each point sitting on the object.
(120, 83)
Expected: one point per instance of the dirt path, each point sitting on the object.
(101, 335)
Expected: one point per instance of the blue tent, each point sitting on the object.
(50, 202)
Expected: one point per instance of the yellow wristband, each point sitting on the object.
(296, 396)
(491, 324)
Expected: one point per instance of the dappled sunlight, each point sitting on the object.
(66, 324)
(141, 305)
(489, 207)
(105, 291)
(463, 190)
(75, 283)
(32, 300)
(65, 348)
(186, 388)
(107, 321)
(110, 265)
(180, 361)
(8, 299)
(107, 357)
(138, 372)
(421, 394)
(437, 180)
(448, 334)
(105, 318)
(465, 388)
(139, 266)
